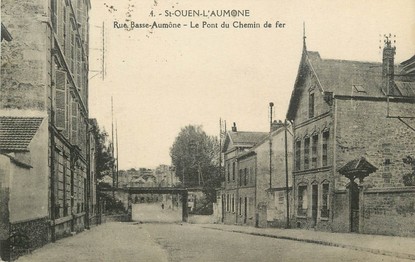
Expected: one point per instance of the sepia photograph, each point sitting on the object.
(179, 130)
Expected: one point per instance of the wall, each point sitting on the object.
(364, 130)
(389, 212)
(29, 187)
(275, 211)
(4, 205)
(23, 59)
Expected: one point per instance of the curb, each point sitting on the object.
(324, 243)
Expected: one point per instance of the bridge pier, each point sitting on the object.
(185, 213)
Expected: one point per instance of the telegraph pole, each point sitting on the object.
(271, 105)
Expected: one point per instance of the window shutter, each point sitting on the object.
(74, 122)
(60, 100)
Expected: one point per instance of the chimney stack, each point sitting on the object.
(276, 125)
(234, 127)
(388, 66)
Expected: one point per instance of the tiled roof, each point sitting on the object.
(17, 132)
(247, 138)
(358, 165)
(347, 78)
(342, 76)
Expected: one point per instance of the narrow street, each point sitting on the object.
(163, 241)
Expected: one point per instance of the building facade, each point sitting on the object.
(45, 74)
(273, 168)
(352, 130)
(238, 190)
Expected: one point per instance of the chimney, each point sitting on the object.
(388, 66)
(234, 127)
(276, 125)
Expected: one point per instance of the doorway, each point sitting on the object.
(314, 204)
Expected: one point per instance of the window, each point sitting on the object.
(306, 152)
(240, 206)
(302, 201)
(54, 14)
(245, 176)
(298, 155)
(314, 151)
(325, 148)
(229, 172)
(233, 203)
(325, 201)
(240, 177)
(311, 106)
(251, 175)
(233, 171)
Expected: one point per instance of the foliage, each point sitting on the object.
(105, 161)
(195, 156)
(409, 179)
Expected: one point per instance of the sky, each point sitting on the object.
(162, 79)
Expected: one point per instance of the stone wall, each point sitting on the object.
(23, 66)
(364, 130)
(37, 232)
(389, 212)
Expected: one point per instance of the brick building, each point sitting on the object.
(45, 75)
(352, 130)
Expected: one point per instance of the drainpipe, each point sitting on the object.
(286, 175)
(52, 144)
(88, 175)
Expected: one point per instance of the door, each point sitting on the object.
(354, 207)
(314, 204)
(246, 210)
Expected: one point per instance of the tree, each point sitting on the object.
(105, 160)
(195, 156)
(409, 178)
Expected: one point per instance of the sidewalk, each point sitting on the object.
(400, 247)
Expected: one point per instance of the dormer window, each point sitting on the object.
(311, 105)
(359, 88)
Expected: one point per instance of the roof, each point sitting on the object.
(408, 66)
(244, 138)
(345, 78)
(5, 34)
(342, 76)
(359, 165)
(17, 132)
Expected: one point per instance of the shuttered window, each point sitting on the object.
(74, 122)
(60, 100)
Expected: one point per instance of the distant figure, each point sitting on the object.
(162, 205)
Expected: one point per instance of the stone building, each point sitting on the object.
(238, 191)
(254, 191)
(352, 129)
(44, 75)
(270, 178)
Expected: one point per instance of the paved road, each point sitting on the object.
(153, 213)
(161, 240)
(193, 243)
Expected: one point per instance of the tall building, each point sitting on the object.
(239, 180)
(45, 76)
(353, 144)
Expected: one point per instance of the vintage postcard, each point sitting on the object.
(178, 130)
